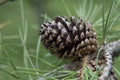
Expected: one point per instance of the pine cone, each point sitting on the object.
(76, 38)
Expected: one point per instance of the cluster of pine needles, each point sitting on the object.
(106, 21)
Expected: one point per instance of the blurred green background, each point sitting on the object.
(33, 13)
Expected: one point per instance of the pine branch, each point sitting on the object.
(110, 51)
(107, 53)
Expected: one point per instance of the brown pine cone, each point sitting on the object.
(74, 38)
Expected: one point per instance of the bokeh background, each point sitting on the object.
(14, 15)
